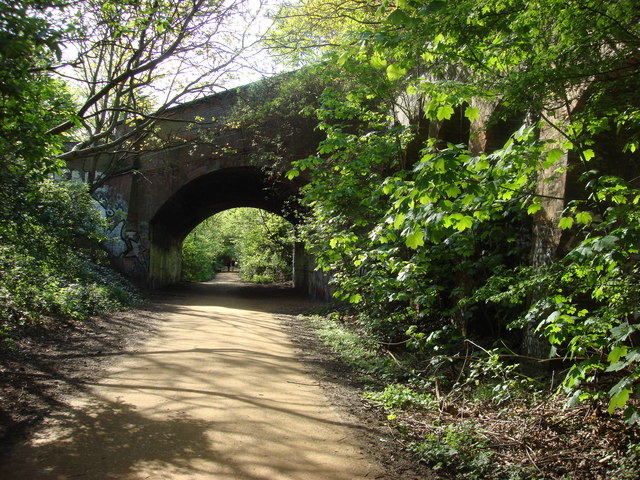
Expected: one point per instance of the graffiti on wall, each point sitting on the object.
(114, 208)
(128, 246)
(136, 254)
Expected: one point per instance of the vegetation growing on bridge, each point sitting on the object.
(259, 243)
(479, 181)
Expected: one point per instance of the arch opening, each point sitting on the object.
(254, 243)
(205, 196)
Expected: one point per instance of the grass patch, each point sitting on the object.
(395, 397)
(361, 354)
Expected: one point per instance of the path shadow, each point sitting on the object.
(46, 365)
(105, 440)
(227, 289)
(109, 440)
(100, 437)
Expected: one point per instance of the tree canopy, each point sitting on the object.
(480, 172)
(128, 63)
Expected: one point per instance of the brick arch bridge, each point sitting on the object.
(207, 168)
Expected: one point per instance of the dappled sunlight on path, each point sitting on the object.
(217, 393)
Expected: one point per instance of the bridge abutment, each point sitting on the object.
(165, 259)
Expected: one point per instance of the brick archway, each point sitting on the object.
(205, 196)
(216, 166)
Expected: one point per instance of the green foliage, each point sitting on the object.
(358, 352)
(422, 228)
(389, 233)
(489, 378)
(306, 28)
(400, 397)
(265, 249)
(587, 305)
(260, 242)
(202, 253)
(457, 447)
(50, 264)
(31, 103)
(47, 271)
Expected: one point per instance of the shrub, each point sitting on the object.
(50, 265)
(456, 447)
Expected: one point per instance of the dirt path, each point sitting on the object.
(216, 393)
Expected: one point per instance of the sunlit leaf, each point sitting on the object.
(399, 17)
(415, 240)
(395, 72)
(584, 218)
(553, 156)
(464, 223)
(534, 208)
(399, 220)
(619, 397)
(588, 155)
(472, 113)
(444, 112)
(566, 223)
(378, 61)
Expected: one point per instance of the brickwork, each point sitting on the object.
(207, 168)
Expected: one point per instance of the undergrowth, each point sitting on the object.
(360, 353)
(471, 414)
(31, 297)
(51, 265)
